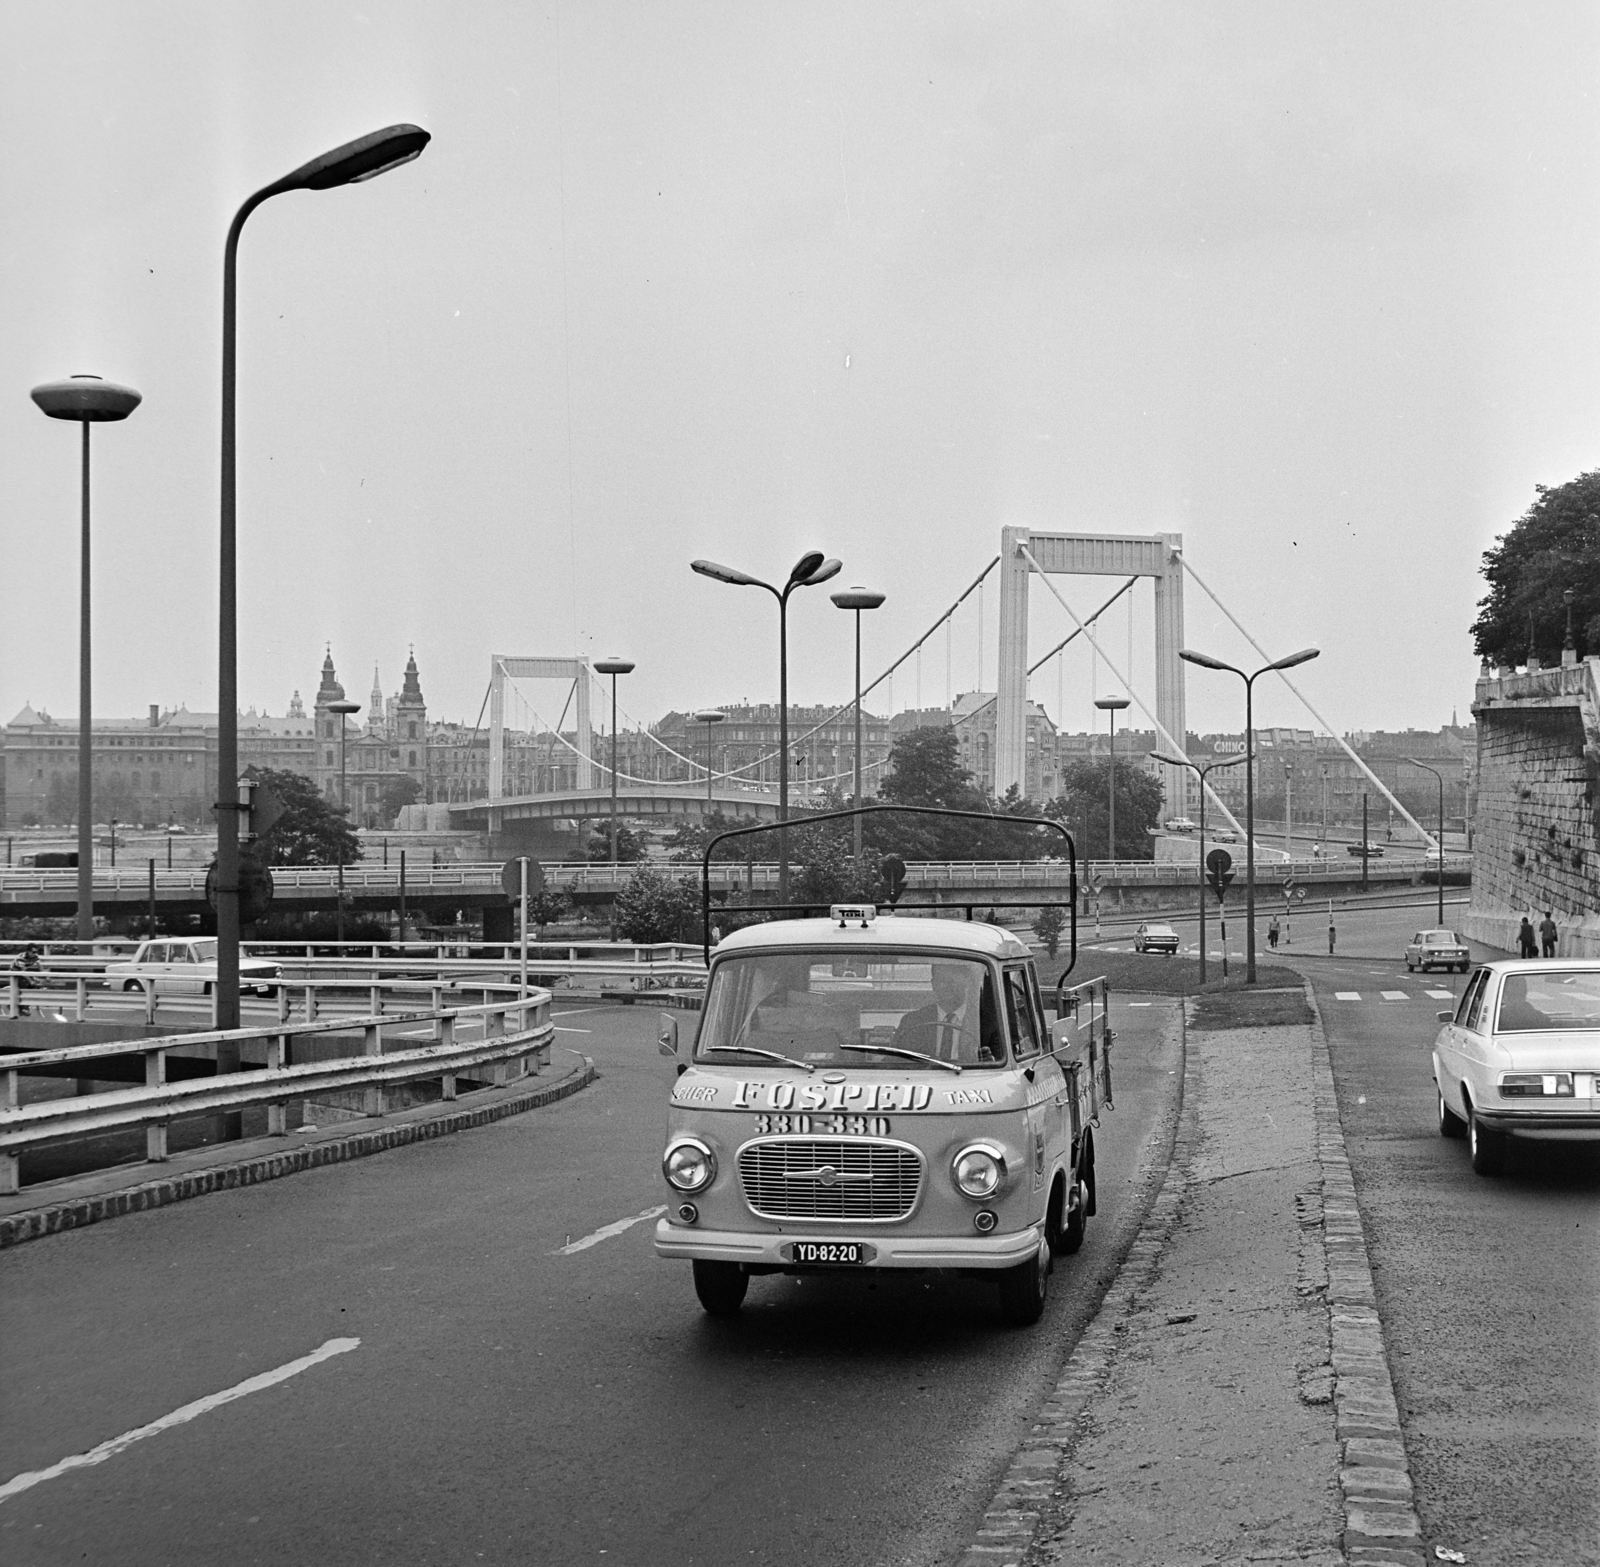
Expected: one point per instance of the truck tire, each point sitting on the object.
(1025, 1288)
(721, 1287)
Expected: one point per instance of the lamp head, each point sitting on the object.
(809, 562)
(739, 579)
(344, 707)
(1304, 656)
(1205, 660)
(857, 597)
(86, 399)
(709, 715)
(1170, 760)
(613, 666)
(829, 568)
(365, 158)
(1113, 704)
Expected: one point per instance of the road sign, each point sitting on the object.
(255, 885)
(511, 877)
(894, 877)
(1302, 893)
(1219, 871)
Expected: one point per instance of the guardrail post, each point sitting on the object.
(155, 1137)
(375, 1099)
(81, 998)
(377, 1001)
(494, 1027)
(10, 1175)
(148, 988)
(311, 1001)
(283, 1002)
(277, 1114)
(14, 997)
(437, 994)
(445, 1032)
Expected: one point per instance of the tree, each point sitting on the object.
(1047, 926)
(310, 831)
(687, 841)
(653, 908)
(1081, 805)
(1553, 547)
(545, 908)
(400, 791)
(630, 843)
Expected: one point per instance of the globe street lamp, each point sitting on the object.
(89, 400)
(858, 599)
(1440, 776)
(1305, 655)
(613, 667)
(356, 161)
(811, 569)
(709, 716)
(1174, 760)
(1111, 706)
(344, 710)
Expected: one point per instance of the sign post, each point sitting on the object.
(1219, 872)
(519, 877)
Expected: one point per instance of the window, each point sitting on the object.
(413, 761)
(155, 782)
(1020, 1013)
(411, 731)
(1472, 1000)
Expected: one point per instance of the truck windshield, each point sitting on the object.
(820, 1008)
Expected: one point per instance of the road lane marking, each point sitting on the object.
(560, 1030)
(1347, 995)
(201, 1406)
(1139, 1003)
(1441, 995)
(1395, 995)
(607, 1231)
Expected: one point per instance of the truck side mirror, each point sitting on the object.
(667, 1039)
(1445, 1017)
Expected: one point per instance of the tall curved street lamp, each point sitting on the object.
(858, 598)
(88, 400)
(710, 717)
(356, 161)
(1305, 655)
(1174, 760)
(811, 569)
(344, 710)
(1440, 776)
(1111, 706)
(613, 667)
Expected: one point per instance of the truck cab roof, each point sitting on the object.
(848, 928)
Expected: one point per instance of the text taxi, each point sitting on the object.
(870, 1092)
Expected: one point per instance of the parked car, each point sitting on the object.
(1155, 938)
(187, 966)
(1437, 949)
(1520, 1057)
(1370, 851)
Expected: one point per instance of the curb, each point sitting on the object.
(1011, 1522)
(1381, 1527)
(74, 1213)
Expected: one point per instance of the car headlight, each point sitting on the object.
(978, 1171)
(689, 1165)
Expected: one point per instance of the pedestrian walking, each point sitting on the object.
(1526, 945)
(1273, 933)
(1547, 934)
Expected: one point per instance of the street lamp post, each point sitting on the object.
(88, 400)
(1207, 662)
(1440, 776)
(613, 667)
(710, 717)
(858, 598)
(356, 161)
(810, 570)
(1202, 773)
(344, 710)
(1111, 706)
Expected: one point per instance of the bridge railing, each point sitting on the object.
(508, 1038)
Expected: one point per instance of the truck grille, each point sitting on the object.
(807, 1178)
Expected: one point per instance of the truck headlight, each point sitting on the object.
(689, 1165)
(978, 1171)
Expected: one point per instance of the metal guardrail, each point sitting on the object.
(505, 1050)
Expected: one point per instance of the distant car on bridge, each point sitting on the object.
(1371, 851)
(187, 967)
(1178, 824)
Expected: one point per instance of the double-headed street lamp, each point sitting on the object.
(613, 667)
(710, 717)
(858, 598)
(354, 162)
(1174, 760)
(1440, 776)
(1207, 662)
(343, 710)
(88, 400)
(811, 569)
(1111, 706)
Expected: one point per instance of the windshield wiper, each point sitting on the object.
(910, 1055)
(756, 1050)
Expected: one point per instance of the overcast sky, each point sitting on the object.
(1312, 285)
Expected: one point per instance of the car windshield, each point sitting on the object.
(862, 1010)
(1550, 999)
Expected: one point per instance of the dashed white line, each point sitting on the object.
(98, 1455)
(1395, 995)
(1347, 995)
(1441, 995)
(607, 1231)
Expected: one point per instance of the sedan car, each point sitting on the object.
(1520, 1057)
(1155, 938)
(187, 966)
(1437, 949)
(1368, 851)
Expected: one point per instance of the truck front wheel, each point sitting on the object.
(1025, 1288)
(721, 1287)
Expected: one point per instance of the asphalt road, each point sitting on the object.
(1489, 1290)
(511, 1399)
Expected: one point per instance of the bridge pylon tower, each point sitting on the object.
(508, 666)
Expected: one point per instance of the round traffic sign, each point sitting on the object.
(511, 877)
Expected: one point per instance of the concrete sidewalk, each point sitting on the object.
(1231, 1401)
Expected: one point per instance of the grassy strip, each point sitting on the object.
(1276, 997)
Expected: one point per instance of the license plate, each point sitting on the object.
(837, 1253)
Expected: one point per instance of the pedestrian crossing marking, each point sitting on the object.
(1394, 995)
(1347, 995)
(1441, 995)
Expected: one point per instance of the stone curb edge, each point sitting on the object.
(33, 1223)
(1381, 1527)
(1011, 1522)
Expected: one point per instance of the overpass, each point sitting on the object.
(633, 801)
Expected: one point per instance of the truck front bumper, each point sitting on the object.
(886, 1251)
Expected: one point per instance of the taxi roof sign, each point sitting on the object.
(851, 913)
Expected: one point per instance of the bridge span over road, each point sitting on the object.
(651, 801)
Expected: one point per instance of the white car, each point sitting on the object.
(187, 966)
(1520, 1057)
(1155, 938)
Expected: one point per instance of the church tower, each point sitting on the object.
(326, 768)
(408, 726)
(375, 713)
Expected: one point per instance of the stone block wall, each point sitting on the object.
(1536, 842)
